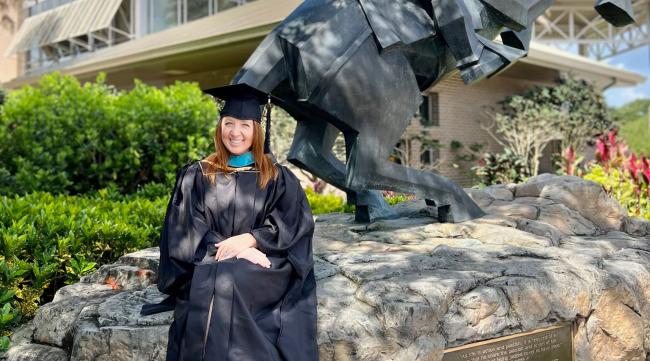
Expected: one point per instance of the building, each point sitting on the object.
(208, 40)
(452, 118)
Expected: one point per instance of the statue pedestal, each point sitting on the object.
(552, 251)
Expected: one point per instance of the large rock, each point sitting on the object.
(407, 288)
(566, 220)
(36, 352)
(54, 322)
(587, 198)
(636, 226)
(114, 329)
(122, 276)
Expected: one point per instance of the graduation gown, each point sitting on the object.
(234, 309)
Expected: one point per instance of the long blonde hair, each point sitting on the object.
(218, 161)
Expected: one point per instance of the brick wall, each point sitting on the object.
(461, 108)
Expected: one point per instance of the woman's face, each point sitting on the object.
(237, 134)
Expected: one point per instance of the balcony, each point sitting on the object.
(57, 32)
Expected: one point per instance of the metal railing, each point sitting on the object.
(122, 29)
(38, 6)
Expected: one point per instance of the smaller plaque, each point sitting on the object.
(548, 344)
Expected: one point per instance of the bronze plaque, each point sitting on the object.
(548, 344)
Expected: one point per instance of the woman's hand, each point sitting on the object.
(232, 246)
(256, 256)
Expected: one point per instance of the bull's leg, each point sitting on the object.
(376, 95)
(368, 168)
(312, 150)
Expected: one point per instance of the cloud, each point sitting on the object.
(620, 96)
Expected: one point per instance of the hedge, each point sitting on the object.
(67, 138)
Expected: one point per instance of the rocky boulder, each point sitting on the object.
(554, 249)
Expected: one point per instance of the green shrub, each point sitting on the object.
(171, 126)
(619, 185)
(501, 168)
(326, 203)
(632, 110)
(636, 133)
(47, 241)
(65, 137)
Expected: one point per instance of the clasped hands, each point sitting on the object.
(241, 246)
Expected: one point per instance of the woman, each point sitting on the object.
(235, 250)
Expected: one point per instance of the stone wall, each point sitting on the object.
(554, 249)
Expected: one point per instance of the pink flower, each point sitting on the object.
(632, 167)
(570, 157)
(602, 150)
(645, 169)
(611, 136)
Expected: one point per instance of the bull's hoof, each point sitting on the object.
(371, 206)
(444, 214)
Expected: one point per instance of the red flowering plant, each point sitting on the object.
(625, 177)
(639, 170)
(610, 151)
(393, 197)
(569, 163)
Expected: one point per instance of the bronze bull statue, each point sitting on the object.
(359, 67)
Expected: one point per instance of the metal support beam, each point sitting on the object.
(569, 26)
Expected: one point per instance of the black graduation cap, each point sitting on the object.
(245, 102)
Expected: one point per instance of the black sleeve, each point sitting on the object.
(288, 226)
(183, 229)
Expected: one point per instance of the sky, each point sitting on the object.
(638, 61)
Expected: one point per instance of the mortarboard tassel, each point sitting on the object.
(267, 134)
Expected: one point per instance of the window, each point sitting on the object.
(429, 156)
(429, 152)
(164, 14)
(429, 110)
(227, 4)
(196, 9)
(424, 112)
